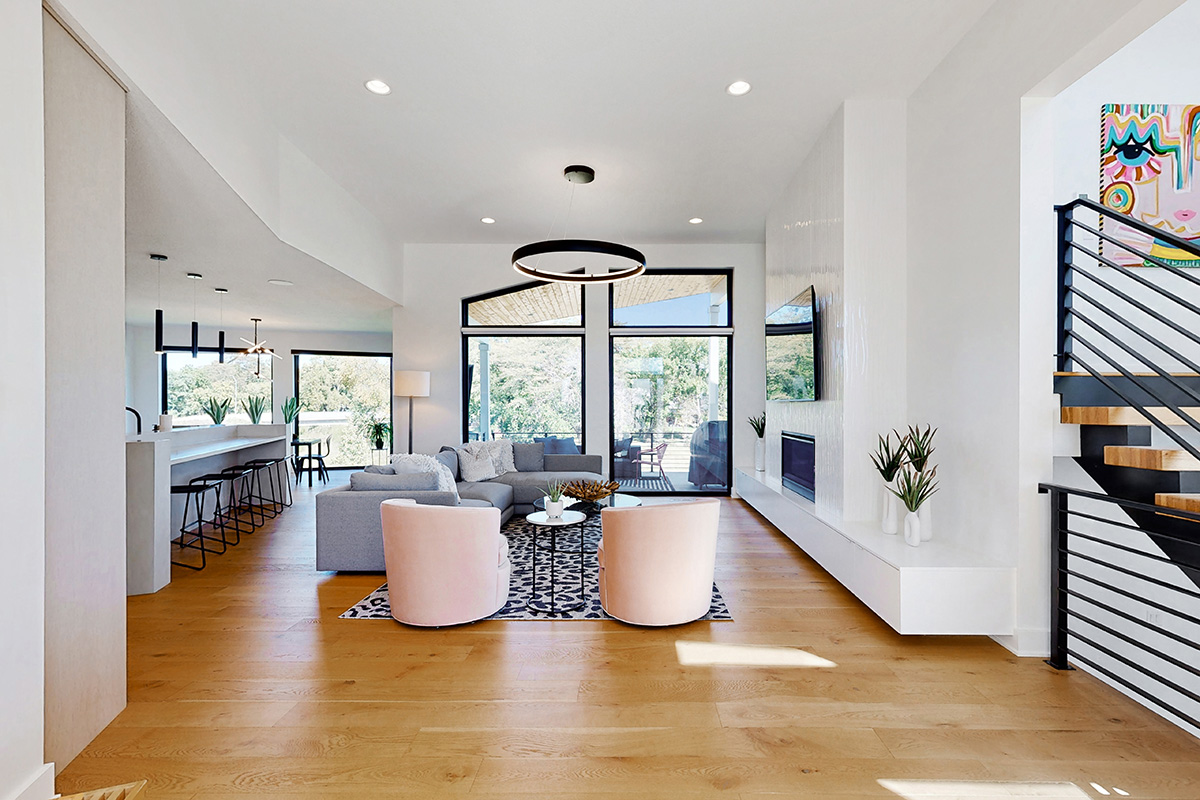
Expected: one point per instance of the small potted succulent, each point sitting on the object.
(554, 499)
(216, 409)
(914, 489)
(759, 424)
(254, 407)
(291, 410)
(918, 449)
(888, 459)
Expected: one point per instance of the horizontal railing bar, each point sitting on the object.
(1127, 526)
(1136, 224)
(1193, 366)
(1140, 622)
(1155, 421)
(1086, 661)
(1157, 582)
(1108, 651)
(1133, 276)
(1152, 259)
(1138, 304)
(1120, 501)
(1124, 548)
(1183, 665)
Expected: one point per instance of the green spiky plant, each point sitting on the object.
(554, 491)
(759, 424)
(914, 487)
(255, 407)
(918, 446)
(216, 409)
(889, 458)
(290, 409)
(377, 432)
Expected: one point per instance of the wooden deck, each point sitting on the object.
(243, 682)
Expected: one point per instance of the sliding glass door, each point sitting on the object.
(341, 395)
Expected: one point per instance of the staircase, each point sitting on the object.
(1126, 532)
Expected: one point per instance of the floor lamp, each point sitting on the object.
(410, 384)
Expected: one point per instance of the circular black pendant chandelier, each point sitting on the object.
(521, 257)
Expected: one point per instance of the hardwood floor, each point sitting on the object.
(242, 681)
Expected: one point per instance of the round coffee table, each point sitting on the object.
(612, 501)
(540, 520)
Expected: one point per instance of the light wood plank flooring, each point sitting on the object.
(243, 682)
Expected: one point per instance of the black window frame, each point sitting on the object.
(354, 353)
(726, 271)
(520, 287)
(478, 332)
(174, 348)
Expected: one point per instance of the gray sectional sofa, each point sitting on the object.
(349, 531)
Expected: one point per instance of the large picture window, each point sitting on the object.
(522, 387)
(671, 345)
(340, 395)
(189, 382)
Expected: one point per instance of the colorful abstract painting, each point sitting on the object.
(1148, 156)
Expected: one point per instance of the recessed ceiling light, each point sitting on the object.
(738, 88)
(377, 86)
(487, 220)
(280, 282)
(695, 220)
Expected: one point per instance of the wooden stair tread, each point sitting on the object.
(1161, 459)
(1179, 500)
(1122, 415)
(1119, 375)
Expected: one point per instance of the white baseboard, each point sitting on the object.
(1027, 642)
(39, 786)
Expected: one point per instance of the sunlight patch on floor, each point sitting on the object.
(710, 654)
(983, 790)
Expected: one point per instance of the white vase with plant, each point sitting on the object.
(554, 500)
(888, 460)
(914, 489)
(290, 409)
(759, 424)
(918, 449)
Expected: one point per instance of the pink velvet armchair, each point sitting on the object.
(657, 562)
(446, 565)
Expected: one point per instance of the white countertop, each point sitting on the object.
(216, 448)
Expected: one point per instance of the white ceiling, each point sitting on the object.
(492, 99)
(177, 205)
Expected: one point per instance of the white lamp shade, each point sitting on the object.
(410, 383)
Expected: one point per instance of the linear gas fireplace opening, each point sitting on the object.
(800, 464)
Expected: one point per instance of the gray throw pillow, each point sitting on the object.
(528, 456)
(380, 469)
(449, 457)
(405, 482)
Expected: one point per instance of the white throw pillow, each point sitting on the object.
(475, 462)
(501, 452)
(419, 462)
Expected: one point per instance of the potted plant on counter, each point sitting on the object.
(759, 424)
(216, 409)
(254, 408)
(291, 410)
(888, 460)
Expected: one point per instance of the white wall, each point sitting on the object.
(23, 404)
(966, 304)
(841, 226)
(427, 335)
(805, 244)
(85, 418)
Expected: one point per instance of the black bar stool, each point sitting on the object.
(241, 483)
(194, 497)
(225, 514)
(277, 479)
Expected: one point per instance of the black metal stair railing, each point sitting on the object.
(1105, 342)
(1118, 600)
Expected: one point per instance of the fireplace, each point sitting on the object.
(799, 471)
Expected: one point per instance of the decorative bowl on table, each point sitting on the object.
(589, 493)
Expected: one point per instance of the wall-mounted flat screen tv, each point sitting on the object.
(793, 368)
